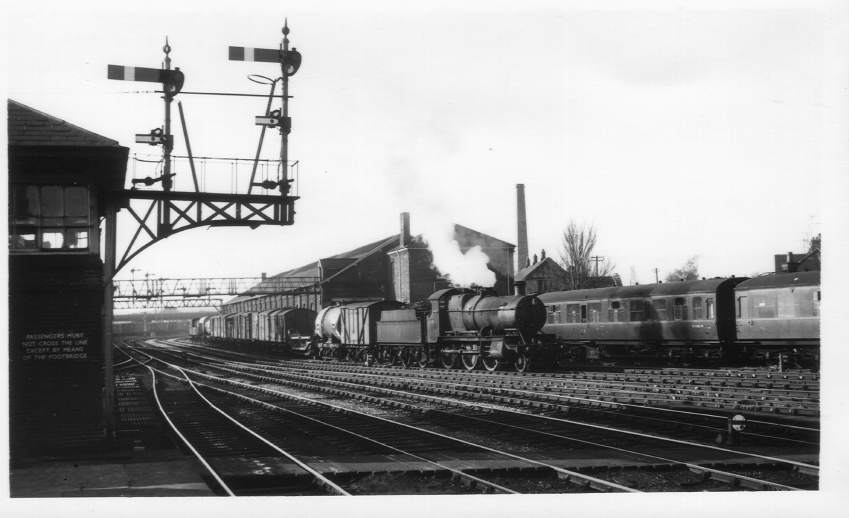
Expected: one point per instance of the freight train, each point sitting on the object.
(730, 320)
(453, 327)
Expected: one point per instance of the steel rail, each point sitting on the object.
(455, 471)
(547, 394)
(475, 389)
(690, 466)
(183, 438)
(324, 481)
(482, 389)
(568, 421)
(598, 483)
(360, 436)
(556, 394)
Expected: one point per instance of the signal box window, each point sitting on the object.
(50, 217)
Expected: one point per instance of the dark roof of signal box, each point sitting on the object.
(30, 127)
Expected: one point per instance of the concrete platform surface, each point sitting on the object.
(172, 477)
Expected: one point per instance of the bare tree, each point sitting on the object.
(583, 269)
(688, 272)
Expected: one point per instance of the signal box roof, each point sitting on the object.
(30, 127)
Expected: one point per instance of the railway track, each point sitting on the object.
(549, 393)
(325, 432)
(511, 416)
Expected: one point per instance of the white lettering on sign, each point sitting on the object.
(55, 346)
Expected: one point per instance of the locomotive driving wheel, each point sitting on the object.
(522, 362)
(470, 361)
(490, 364)
(421, 357)
(448, 360)
(406, 357)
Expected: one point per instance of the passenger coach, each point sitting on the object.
(780, 314)
(675, 320)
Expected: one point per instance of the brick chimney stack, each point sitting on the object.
(404, 236)
(522, 224)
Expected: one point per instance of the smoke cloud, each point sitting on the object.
(463, 269)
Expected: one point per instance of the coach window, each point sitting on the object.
(615, 311)
(742, 307)
(709, 309)
(764, 305)
(572, 314)
(659, 309)
(679, 308)
(637, 312)
(816, 306)
(595, 312)
(698, 309)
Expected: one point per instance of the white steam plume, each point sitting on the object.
(462, 269)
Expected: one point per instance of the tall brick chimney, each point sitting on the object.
(404, 235)
(522, 224)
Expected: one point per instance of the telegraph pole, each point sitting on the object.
(597, 258)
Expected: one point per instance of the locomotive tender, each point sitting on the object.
(721, 319)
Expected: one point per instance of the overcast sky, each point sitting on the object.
(707, 130)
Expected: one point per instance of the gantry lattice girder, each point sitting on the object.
(163, 303)
(160, 214)
(153, 288)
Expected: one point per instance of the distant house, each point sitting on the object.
(801, 261)
(542, 276)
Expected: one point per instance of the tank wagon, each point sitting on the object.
(452, 327)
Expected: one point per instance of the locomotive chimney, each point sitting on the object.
(519, 287)
(522, 224)
(404, 237)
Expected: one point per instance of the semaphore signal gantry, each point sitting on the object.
(161, 213)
